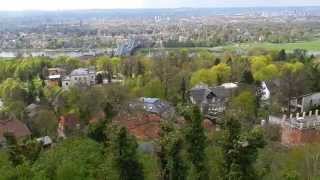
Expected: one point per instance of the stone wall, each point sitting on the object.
(295, 136)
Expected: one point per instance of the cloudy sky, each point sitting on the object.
(111, 4)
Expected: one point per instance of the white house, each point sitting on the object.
(266, 92)
(80, 77)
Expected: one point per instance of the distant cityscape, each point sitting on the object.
(121, 32)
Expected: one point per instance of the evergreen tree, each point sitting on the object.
(109, 77)
(217, 61)
(219, 79)
(162, 155)
(240, 151)
(97, 131)
(183, 89)
(18, 153)
(312, 57)
(30, 150)
(100, 131)
(196, 143)
(231, 137)
(282, 55)
(124, 148)
(32, 92)
(300, 54)
(172, 165)
(140, 69)
(13, 149)
(229, 61)
(99, 79)
(247, 77)
(177, 167)
(313, 76)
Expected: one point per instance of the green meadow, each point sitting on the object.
(307, 45)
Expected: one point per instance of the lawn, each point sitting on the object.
(313, 46)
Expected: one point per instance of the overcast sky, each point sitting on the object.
(111, 4)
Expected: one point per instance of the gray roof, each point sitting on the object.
(154, 105)
(80, 72)
(221, 92)
(66, 78)
(307, 95)
(201, 92)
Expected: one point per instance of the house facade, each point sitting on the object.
(305, 102)
(212, 100)
(80, 77)
(55, 76)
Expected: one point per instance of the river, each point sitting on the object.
(53, 53)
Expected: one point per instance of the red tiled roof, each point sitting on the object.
(16, 127)
(147, 126)
(143, 126)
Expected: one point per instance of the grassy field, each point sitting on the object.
(313, 46)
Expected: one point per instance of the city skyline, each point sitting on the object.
(136, 4)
